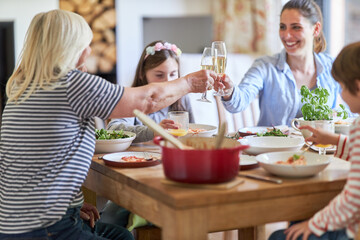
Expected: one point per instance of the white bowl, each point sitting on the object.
(260, 145)
(209, 130)
(247, 131)
(314, 164)
(114, 145)
(343, 126)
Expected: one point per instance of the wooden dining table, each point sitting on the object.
(185, 212)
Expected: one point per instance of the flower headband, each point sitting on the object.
(159, 46)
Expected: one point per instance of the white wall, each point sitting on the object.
(129, 27)
(22, 12)
(337, 23)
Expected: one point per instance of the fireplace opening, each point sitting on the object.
(190, 33)
(7, 58)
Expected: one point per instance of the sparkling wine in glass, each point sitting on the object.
(208, 63)
(220, 60)
(181, 120)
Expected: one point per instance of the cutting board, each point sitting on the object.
(216, 186)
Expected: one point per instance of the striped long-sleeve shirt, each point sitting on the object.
(47, 142)
(344, 210)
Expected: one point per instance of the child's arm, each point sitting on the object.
(342, 150)
(343, 210)
(321, 136)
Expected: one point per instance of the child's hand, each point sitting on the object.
(296, 230)
(168, 124)
(89, 213)
(320, 136)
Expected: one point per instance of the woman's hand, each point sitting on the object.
(200, 81)
(296, 230)
(225, 83)
(84, 55)
(168, 124)
(320, 136)
(89, 213)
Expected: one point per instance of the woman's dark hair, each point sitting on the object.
(346, 67)
(149, 62)
(311, 11)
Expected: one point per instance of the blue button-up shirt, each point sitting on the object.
(271, 79)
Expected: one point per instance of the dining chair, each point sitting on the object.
(247, 118)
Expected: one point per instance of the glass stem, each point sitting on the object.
(322, 151)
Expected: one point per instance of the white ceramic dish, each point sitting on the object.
(115, 159)
(248, 162)
(343, 126)
(254, 130)
(331, 149)
(209, 130)
(114, 145)
(260, 145)
(314, 164)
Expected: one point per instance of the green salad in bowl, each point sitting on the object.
(103, 134)
(108, 141)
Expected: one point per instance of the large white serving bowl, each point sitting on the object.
(209, 130)
(314, 164)
(260, 145)
(114, 145)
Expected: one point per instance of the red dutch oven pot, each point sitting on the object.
(201, 165)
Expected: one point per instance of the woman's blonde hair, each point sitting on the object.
(53, 45)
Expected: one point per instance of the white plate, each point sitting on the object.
(315, 164)
(247, 160)
(115, 159)
(254, 130)
(209, 130)
(328, 150)
(260, 145)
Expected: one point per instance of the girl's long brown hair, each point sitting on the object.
(152, 61)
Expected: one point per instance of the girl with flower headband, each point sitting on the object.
(159, 62)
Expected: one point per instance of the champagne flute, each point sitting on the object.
(181, 120)
(327, 126)
(220, 60)
(208, 63)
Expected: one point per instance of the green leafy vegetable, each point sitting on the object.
(103, 134)
(315, 107)
(342, 112)
(274, 132)
(296, 157)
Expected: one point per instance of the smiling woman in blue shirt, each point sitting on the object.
(277, 79)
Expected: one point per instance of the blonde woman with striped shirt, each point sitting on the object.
(48, 133)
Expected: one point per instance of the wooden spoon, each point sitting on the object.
(221, 135)
(159, 130)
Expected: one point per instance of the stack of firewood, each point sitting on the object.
(101, 16)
